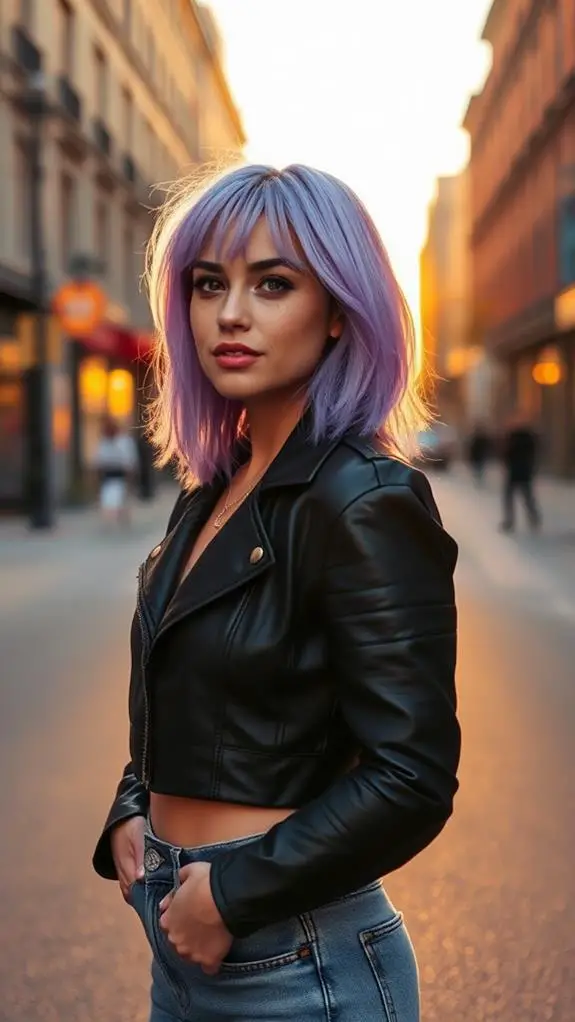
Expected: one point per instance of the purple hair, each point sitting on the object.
(364, 383)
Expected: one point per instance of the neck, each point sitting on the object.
(270, 425)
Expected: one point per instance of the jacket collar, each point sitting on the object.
(298, 461)
(237, 554)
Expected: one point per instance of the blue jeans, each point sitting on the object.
(350, 961)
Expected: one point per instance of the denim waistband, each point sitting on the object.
(162, 860)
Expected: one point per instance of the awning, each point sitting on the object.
(119, 342)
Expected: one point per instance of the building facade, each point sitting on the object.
(445, 297)
(522, 229)
(132, 96)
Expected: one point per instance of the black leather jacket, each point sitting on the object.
(307, 661)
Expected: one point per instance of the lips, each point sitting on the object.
(235, 349)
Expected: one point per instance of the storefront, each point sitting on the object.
(12, 411)
(535, 356)
(101, 374)
(107, 370)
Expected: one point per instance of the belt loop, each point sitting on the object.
(175, 856)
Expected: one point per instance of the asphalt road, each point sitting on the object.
(490, 906)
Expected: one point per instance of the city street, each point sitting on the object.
(490, 906)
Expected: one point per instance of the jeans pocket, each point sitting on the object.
(241, 967)
(263, 986)
(391, 957)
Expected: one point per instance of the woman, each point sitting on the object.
(292, 705)
(115, 461)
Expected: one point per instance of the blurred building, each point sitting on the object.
(445, 284)
(126, 95)
(522, 168)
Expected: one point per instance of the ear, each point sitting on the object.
(336, 324)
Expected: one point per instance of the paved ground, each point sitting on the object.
(490, 905)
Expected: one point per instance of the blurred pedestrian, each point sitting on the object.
(519, 456)
(478, 452)
(116, 462)
(293, 726)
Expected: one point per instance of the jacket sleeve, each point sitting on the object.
(131, 800)
(387, 598)
(131, 797)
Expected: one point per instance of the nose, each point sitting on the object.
(233, 313)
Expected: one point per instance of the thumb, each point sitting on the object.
(138, 854)
(186, 871)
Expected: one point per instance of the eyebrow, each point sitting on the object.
(262, 264)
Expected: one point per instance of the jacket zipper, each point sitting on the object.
(143, 661)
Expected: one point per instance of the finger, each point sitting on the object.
(211, 969)
(166, 902)
(139, 857)
(126, 890)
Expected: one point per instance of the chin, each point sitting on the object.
(239, 390)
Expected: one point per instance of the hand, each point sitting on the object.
(191, 921)
(127, 840)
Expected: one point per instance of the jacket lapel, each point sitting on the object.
(160, 572)
(237, 554)
(240, 552)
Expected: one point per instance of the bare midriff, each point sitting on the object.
(188, 822)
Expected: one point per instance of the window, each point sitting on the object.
(567, 240)
(128, 120)
(67, 218)
(102, 232)
(101, 82)
(22, 196)
(65, 37)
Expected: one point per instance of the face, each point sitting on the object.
(260, 324)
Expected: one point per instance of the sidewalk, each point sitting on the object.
(556, 497)
(73, 525)
(42, 565)
(540, 564)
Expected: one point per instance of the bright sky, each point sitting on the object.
(370, 90)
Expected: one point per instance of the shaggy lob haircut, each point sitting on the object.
(365, 383)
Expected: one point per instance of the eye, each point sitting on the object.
(275, 285)
(207, 285)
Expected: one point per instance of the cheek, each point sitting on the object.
(300, 332)
(307, 348)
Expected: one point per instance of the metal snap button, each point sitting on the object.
(256, 554)
(156, 550)
(152, 860)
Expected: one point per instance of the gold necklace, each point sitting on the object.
(222, 515)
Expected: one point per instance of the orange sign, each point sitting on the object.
(80, 307)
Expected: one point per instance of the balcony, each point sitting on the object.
(26, 54)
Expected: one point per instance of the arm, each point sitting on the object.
(131, 800)
(131, 797)
(388, 605)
